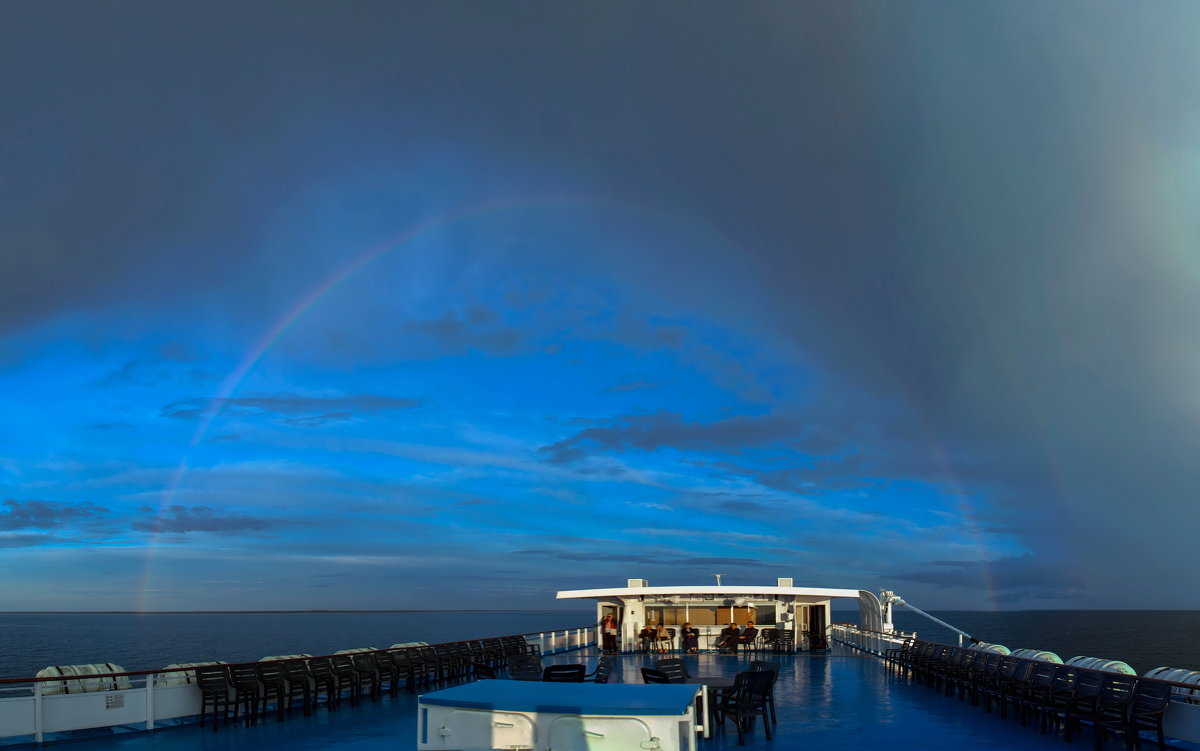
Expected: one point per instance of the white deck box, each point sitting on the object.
(534, 716)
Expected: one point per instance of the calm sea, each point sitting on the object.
(1145, 639)
(32, 641)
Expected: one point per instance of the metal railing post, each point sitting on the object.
(38, 735)
(150, 701)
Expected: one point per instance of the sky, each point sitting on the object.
(457, 304)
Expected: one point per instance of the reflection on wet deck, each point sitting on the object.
(828, 701)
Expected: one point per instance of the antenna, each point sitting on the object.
(718, 578)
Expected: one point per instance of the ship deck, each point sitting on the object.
(833, 700)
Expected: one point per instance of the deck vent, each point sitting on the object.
(636, 583)
(785, 582)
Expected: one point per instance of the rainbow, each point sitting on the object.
(356, 265)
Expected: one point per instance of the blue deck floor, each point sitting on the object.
(835, 701)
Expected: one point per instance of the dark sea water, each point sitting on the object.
(1145, 639)
(31, 641)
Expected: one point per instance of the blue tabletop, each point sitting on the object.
(568, 698)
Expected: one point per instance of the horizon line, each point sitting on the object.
(234, 612)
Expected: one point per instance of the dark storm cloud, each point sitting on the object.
(28, 540)
(745, 508)
(316, 421)
(623, 388)
(34, 514)
(291, 404)
(1008, 579)
(669, 429)
(141, 372)
(667, 560)
(479, 329)
(184, 519)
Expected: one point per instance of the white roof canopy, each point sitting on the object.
(724, 591)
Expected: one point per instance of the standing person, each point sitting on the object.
(608, 634)
(729, 638)
(689, 639)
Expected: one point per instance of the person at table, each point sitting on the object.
(729, 638)
(608, 630)
(749, 635)
(648, 637)
(689, 639)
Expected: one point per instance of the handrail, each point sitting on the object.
(4, 681)
(1178, 684)
(894, 634)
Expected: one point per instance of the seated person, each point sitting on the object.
(648, 637)
(689, 639)
(664, 639)
(749, 635)
(729, 638)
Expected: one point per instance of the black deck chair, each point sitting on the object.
(437, 665)
(406, 667)
(1144, 711)
(247, 691)
(768, 638)
(1035, 689)
(747, 700)
(983, 675)
(993, 682)
(368, 673)
(564, 673)
(451, 664)
(274, 685)
(1083, 702)
(494, 648)
(653, 675)
(478, 653)
(1061, 690)
(757, 666)
(525, 668)
(466, 658)
(419, 669)
(603, 670)
(299, 684)
(213, 681)
(896, 657)
(483, 670)
(323, 676)
(387, 671)
(674, 668)
(343, 668)
(602, 660)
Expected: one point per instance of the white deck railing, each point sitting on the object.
(874, 642)
(567, 640)
(26, 710)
